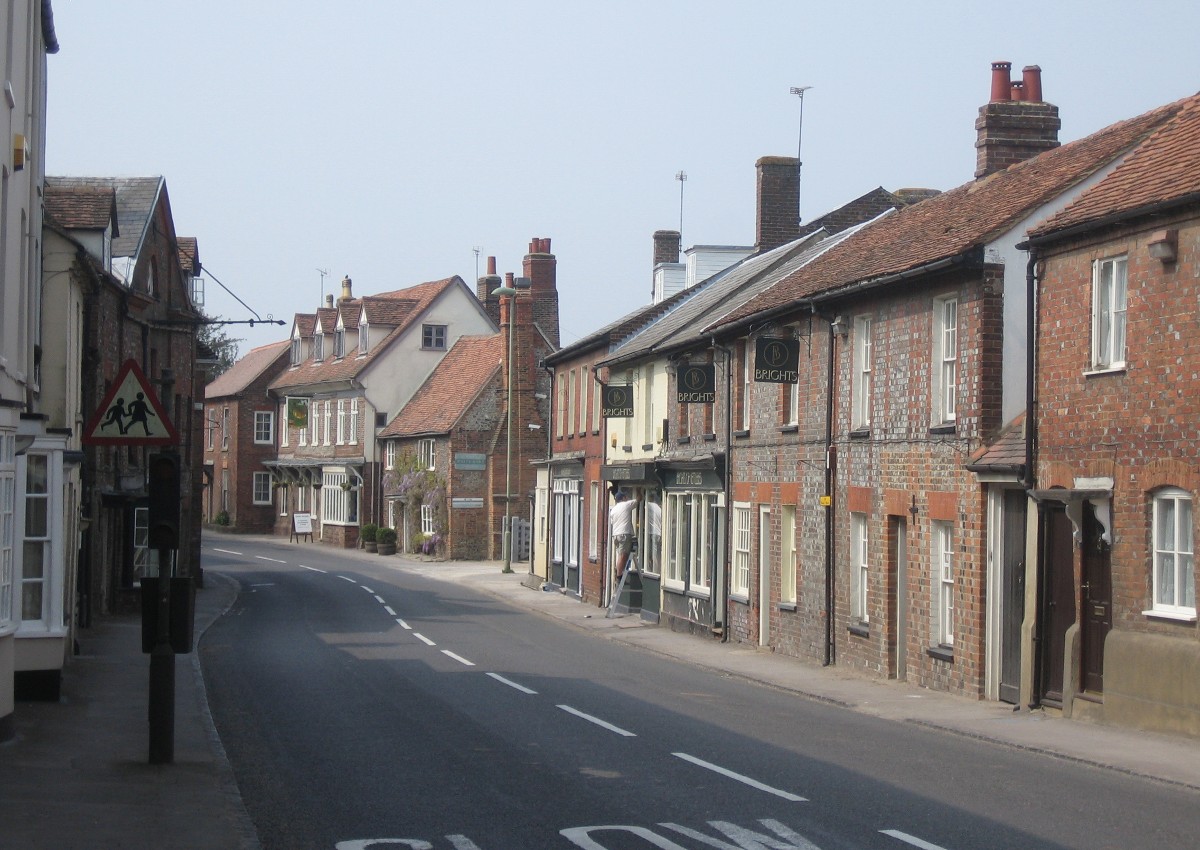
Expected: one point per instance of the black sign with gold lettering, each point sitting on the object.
(616, 401)
(696, 384)
(776, 361)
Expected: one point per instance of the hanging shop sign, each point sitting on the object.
(696, 384)
(776, 361)
(616, 401)
(297, 412)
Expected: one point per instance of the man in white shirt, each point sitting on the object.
(620, 525)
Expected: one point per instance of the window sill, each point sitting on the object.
(859, 629)
(710, 438)
(741, 600)
(941, 653)
(948, 428)
(1179, 617)
(1105, 370)
(741, 434)
(789, 429)
(787, 606)
(860, 434)
(683, 441)
(699, 593)
(648, 447)
(627, 449)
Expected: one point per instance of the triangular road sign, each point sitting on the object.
(130, 414)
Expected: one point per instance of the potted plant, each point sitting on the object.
(368, 535)
(386, 541)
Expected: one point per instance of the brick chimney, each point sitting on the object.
(666, 246)
(1016, 124)
(485, 286)
(540, 267)
(778, 193)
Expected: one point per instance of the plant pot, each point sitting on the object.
(385, 548)
(370, 545)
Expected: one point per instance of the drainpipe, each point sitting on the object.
(830, 477)
(602, 543)
(1029, 481)
(722, 582)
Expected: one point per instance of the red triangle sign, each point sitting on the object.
(130, 414)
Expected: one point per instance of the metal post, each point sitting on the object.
(161, 703)
(799, 92)
(509, 293)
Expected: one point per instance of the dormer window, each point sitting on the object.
(339, 342)
(363, 334)
(319, 346)
(295, 351)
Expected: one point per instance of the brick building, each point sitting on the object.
(1117, 470)
(240, 435)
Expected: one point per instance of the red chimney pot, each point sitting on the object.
(1001, 90)
(491, 266)
(1032, 76)
(1018, 91)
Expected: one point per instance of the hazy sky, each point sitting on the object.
(387, 140)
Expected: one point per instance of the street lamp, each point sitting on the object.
(509, 293)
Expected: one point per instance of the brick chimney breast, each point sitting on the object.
(778, 201)
(666, 246)
(540, 266)
(1010, 130)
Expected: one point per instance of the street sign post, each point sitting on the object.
(130, 414)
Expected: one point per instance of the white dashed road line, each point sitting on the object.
(388, 608)
(601, 723)
(909, 839)
(347, 578)
(512, 684)
(226, 551)
(272, 560)
(380, 599)
(403, 624)
(423, 639)
(458, 658)
(314, 569)
(753, 783)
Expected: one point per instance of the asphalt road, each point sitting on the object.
(362, 706)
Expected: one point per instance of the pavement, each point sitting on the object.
(77, 772)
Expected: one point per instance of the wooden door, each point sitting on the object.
(1096, 620)
(1057, 612)
(1012, 594)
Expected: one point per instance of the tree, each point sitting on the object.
(212, 341)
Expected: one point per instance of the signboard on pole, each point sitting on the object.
(776, 361)
(130, 414)
(696, 384)
(616, 401)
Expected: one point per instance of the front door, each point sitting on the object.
(898, 596)
(1057, 599)
(1096, 619)
(764, 576)
(1012, 594)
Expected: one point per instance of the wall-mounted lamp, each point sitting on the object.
(1163, 245)
(840, 326)
(913, 510)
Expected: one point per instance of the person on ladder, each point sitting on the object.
(620, 521)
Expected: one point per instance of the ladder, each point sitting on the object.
(630, 567)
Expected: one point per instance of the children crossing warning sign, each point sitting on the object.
(130, 414)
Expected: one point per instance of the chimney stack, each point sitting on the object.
(541, 267)
(778, 194)
(666, 246)
(329, 300)
(347, 292)
(1016, 124)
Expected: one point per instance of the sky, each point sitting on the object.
(387, 140)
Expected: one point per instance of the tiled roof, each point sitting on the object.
(327, 316)
(81, 207)
(451, 388)
(246, 370)
(188, 253)
(330, 368)
(1164, 168)
(952, 223)
(136, 198)
(1007, 453)
(387, 311)
(620, 329)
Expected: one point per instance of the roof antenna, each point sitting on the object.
(681, 176)
(324, 273)
(799, 92)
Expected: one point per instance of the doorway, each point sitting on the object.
(1096, 585)
(1012, 594)
(1057, 600)
(898, 597)
(764, 575)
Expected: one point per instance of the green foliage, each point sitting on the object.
(417, 486)
(223, 518)
(368, 533)
(386, 536)
(211, 339)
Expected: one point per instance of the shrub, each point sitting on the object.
(369, 533)
(386, 536)
(223, 518)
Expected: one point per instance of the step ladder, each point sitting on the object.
(630, 567)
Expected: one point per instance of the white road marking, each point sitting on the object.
(423, 639)
(458, 658)
(264, 584)
(909, 839)
(380, 599)
(367, 589)
(314, 569)
(226, 551)
(753, 783)
(403, 624)
(272, 560)
(347, 578)
(512, 684)
(603, 724)
(388, 608)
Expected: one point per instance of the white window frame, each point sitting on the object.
(328, 422)
(301, 497)
(427, 520)
(314, 417)
(860, 568)
(571, 399)
(210, 427)
(338, 506)
(37, 579)
(354, 422)
(1110, 299)
(225, 429)
(264, 428)
(560, 417)
(787, 566)
(945, 360)
(364, 332)
(743, 535)
(341, 422)
(225, 490)
(318, 346)
(942, 582)
(581, 425)
(860, 417)
(8, 527)
(260, 493)
(594, 521)
(1173, 571)
(676, 539)
(596, 406)
(389, 454)
(339, 342)
(747, 374)
(294, 353)
(427, 453)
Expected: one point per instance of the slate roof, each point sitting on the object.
(246, 370)
(953, 223)
(450, 390)
(1163, 169)
(136, 199)
(621, 329)
(82, 207)
(1006, 454)
(331, 369)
